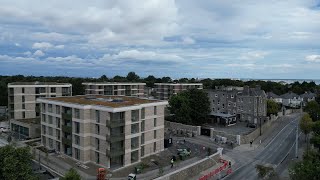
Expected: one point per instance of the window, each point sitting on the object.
(135, 115)
(232, 96)
(43, 118)
(57, 109)
(23, 99)
(97, 116)
(155, 122)
(142, 138)
(50, 119)
(50, 131)
(77, 113)
(155, 110)
(58, 134)
(154, 147)
(77, 153)
(234, 105)
(216, 95)
(43, 128)
(218, 102)
(143, 111)
(97, 144)
(22, 90)
(155, 134)
(43, 107)
(213, 100)
(77, 127)
(134, 128)
(58, 122)
(77, 140)
(97, 129)
(142, 151)
(50, 143)
(23, 106)
(134, 156)
(53, 90)
(142, 125)
(58, 146)
(229, 104)
(23, 115)
(212, 109)
(97, 158)
(50, 108)
(135, 143)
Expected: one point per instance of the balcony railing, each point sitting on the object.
(114, 152)
(67, 129)
(115, 137)
(115, 123)
(66, 116)
(66, 141)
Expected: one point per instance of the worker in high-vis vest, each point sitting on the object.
(172, 163)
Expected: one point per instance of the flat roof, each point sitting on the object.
(38, 83)
(29, 121)
(112, 83)
(100, 100)
(222, 115)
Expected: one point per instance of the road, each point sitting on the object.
(273, 153)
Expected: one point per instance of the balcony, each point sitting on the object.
(66, 141)
(115, 152)
(115, 137)
(66, 116)
(67, 129)
(115, 123)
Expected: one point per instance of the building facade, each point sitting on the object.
(229, 104)
(115, 89)
(164, 91)
(291, 99)
(22, 98)
(112, 131)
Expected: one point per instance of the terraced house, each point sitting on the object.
(115, 88)
(165, 90)
(112, 131)
(24, 111)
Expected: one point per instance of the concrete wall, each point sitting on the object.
(230, 137)
(192, 169)
(178, 127)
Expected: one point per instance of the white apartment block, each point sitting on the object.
(165, 90)
(111, 131)
(115, 88)
(22, 105)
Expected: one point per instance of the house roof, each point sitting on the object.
(100, 100)
(309, 95)
(253, 92)
(289, 95)
(272, 95)
(38, 83)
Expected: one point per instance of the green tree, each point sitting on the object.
(103, 78)
(166, 79)
(132, 77)
(313, 109)
(150, 80)
(306, 127)
(315, 140)
(72, 174)
(272, 107)
(308, 168)
(190, 107)
(265, 172)
(15, 163)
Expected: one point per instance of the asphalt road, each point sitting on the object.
(272, 154)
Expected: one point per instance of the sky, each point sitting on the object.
(184, 38)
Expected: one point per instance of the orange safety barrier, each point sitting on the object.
(217, 170)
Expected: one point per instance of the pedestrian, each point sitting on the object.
(250, 143)
(172, 163)
(184, 140)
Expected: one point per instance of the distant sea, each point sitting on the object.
(286, 81)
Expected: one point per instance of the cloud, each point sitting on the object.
(42, 45)
(188, 40)
(313, 58)
(27, 53)
(38, 53)
(142, 56)
(59, 47)
(17, 44)
(253, 55)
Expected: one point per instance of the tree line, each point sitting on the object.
(78, 88)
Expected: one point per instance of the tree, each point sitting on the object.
(308, 168)
(266, 172)
(315, 140)
(104, 78)
(313, 109)
(272, 107)
(150, 80)
(166, 79)
(15, 163)
(132, 77)
(306, 127)
(190, 106)
(72, 174)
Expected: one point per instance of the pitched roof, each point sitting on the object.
(309, 95)
(289, 95)
(272, 95)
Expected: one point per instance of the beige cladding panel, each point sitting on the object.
(30, 90)
(149, 124)
(127, 129)
(86, 114)
(127, 159)
(149, 111)
(148, 136)
(127, 144)
(59, 90)
(17, 90)
(87, 155)
(127, 117)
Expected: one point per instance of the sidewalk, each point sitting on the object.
(222, 173)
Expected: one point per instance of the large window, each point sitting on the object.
(58, 122)
(155, 134)
(50, 119)
(142, 125)
(135, 143)
(50, 108)
(97, 144)
(97, 116)
(57, 109)
(143, 111)
(76, 140)
(77, 113)
(97, 129)
(53, 90)
(134, 156)
(50, 131)
(155, 110)
(77, 127)
(134, 128)
(155, 122)
(77, 153)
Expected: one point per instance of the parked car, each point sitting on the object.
(251, 125)
(132, 177)
(4, 129)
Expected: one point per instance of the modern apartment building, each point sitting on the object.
(112, 131)
(165, 90)
(229, 104)
(115, 88)
(22, 103)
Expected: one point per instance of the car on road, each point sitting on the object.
(132, 176)
(251, 125)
